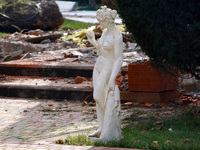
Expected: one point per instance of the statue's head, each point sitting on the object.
(106, 14)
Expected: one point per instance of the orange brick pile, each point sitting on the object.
(189, 99)
(79, 79)
(122, 82)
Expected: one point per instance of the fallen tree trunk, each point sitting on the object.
(45, 16)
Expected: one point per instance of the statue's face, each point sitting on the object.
(103, 24)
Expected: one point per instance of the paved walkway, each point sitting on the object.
(37, 124)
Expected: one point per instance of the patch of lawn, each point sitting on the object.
(176, 133)
(180, 132)
(71, 24)
(3, 34)
(78, 140)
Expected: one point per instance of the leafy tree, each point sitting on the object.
(168, 31)
(110, 4)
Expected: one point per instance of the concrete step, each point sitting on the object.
(55, 68)
(31, 67)
(44, 88)
(56, 88)
(46, 76)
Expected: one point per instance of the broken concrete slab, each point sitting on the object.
(51, 37)
(13, 56)
(7, 46)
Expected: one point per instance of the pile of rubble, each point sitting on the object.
(19, 44)
(71, 45)
(189, 98)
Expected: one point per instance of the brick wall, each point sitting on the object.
(142, 77)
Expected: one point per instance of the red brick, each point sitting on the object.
(157, 81)
(165, 80)
(138, 81)
(154, 69)
(176, 86)
(171, 86)
(151, 74)
(152, 88)
(133, 87)
(150, 97)
(138, 67)
(133, 74)
(173, 79)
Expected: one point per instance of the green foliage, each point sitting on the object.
(168, 31)
(3, 34)
(85, 2)
(110, 4)
(6, 3)
(71, 24)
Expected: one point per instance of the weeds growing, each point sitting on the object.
(71, 24)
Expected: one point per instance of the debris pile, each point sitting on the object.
(189, 98)
(79, 79)
(3, 78)
(122, 82)
(40, 41)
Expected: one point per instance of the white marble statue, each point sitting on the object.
(108, 64)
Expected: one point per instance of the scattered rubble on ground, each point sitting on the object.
(39, 41)
(189, 98)
(66, 46)
(70, 46)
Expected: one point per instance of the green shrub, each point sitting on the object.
(110, 4)
(85, 2)
(168, 31)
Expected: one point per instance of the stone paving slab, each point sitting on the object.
(37, 124)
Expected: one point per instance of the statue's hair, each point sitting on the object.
(107, 14)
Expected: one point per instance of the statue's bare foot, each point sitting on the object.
(96, 133)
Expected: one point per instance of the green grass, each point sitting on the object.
(71, 24)
(85, 7)
(78, 140)
(142, 132)
(3, 34)
(146, 132)
(67, 24)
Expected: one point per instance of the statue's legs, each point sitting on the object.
(100, 79)
(101, 75)
(100, 119)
